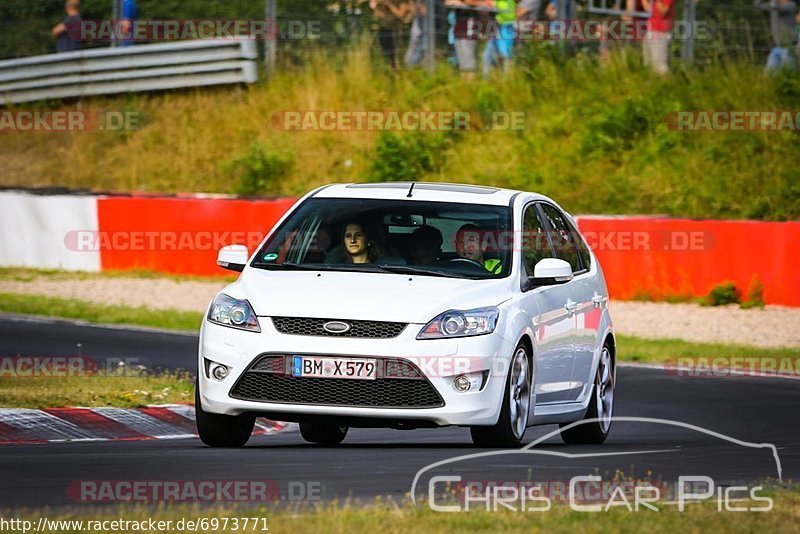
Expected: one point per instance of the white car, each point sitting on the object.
(406, 306)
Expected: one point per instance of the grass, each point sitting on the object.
(595, 136)
(121, 389)
(388, 518)
(635, 349)
(98, 313)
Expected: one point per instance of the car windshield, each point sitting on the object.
(407, 237)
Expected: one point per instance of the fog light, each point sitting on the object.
(462, 383)
(219, 372)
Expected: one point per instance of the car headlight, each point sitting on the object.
(458, 323)
(227, 311)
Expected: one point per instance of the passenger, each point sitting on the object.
(358, 245)
(470, 246)
(427, 245)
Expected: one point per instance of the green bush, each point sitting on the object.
(755, 295)
(260, 170)
(406, 158)
(723, 294)
(617, 128)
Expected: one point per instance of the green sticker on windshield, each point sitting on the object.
(270, 257)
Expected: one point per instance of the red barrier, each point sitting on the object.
(640, 255)
(180, 235)
(669, 257)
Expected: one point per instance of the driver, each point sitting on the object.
(469, 246)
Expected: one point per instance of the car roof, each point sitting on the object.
(423, 191)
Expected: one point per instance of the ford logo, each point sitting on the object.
(336, 327)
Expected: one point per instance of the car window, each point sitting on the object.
(583, 251)
(562, 237)
(535, 247)
(425, 238)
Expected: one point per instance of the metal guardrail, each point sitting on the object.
(151, 67)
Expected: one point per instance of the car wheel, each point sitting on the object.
(513, 421)
(601, 407)
(323, 434)
(224, 431)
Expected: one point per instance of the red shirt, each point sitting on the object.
(659, 23)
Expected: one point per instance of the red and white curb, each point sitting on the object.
(75, 425)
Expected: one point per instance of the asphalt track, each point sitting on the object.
(384, 462)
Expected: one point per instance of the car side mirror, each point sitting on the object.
(233, 257)
(550, 272)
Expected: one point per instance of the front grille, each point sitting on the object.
(304, 326)
(400, 384)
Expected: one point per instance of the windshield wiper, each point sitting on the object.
(405, 269)
(288, 265)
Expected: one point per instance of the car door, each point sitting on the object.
(570, 247)
(553, 323)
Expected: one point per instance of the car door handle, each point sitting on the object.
(571, 307)
(599, 300)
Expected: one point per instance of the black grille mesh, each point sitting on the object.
(303, 326)
(399, 385)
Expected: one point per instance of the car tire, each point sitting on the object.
(323, 433)
(601, 407)
(513, 421)
(222, 431)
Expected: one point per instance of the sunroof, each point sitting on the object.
(450, 188)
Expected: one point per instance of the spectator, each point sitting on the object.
(528, 10)
(527, 17)
(500, 46)
(427, 245)
(470, 246)
(391, 15)
(634, 25)
(68, 31)
(655, 46)
(784, 33)
(417, 44)
(467, 32)
(797, 35)
(127, 21)
(552, 10)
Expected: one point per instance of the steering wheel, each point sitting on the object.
(469, 262)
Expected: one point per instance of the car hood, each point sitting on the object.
(364, 296)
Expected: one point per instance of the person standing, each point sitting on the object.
(782, 26)
(468, 32)
(391, 15)
(655, 45)
(68, 31)
(417, 44)
(127, 22)
(500, 46)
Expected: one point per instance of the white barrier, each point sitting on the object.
(35, 230)
(128, 69)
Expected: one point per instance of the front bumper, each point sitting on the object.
(440, 361)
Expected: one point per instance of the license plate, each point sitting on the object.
(311, 367)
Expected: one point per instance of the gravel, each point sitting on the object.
(774, 326)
